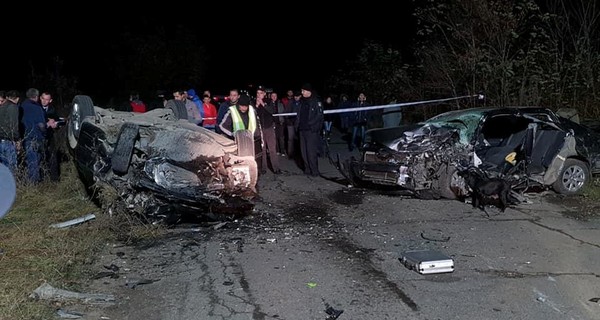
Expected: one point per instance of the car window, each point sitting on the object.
(465, 122)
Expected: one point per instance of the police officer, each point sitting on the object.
(309, 125)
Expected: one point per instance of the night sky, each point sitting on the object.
(276, 48)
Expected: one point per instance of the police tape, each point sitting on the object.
(383, 106)
(393, 105)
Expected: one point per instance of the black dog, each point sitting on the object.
(486, 190)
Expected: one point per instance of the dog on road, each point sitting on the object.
(486, 190)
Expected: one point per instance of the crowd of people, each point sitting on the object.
(295, 126)
(27, 127)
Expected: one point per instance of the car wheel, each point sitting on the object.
(447, 174)
(178, 108)
(245, 142)
(121, 156)
(81, 108)
(574, 175)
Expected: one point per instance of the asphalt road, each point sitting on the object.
(314, 245)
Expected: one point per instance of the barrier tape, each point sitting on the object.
(405, 104)
(384, 106)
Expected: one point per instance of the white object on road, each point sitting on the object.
(427, 261)
(73, 222)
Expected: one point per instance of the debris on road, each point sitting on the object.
(65, 314)
(427, 261)
(73, 222)
(132, 283)
(48, 292)
(333, 313)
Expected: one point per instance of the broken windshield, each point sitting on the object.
(465, 121)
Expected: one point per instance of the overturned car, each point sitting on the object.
(160, 165)
(528, 146)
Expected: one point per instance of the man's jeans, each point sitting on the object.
(33, 156)
(8, 154)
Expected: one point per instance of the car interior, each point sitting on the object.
(533, 142)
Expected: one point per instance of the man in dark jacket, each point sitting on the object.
(234, 95)
(9, 131)
(309, 124)
(265, 113)
(51, 162)
(34, 121)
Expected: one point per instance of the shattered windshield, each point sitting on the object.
(465, 121)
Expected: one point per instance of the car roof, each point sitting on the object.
(485, 111)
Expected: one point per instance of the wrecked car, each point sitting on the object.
(160, 165)
(529, 146)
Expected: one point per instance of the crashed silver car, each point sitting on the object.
(160, 165)
(530, 146)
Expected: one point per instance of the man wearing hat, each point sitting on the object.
(240, 116)
(309, 125)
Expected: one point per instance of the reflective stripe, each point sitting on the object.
(236, 119)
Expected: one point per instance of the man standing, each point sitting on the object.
(234, 95)
(35, 124)
(50, 162)
(309, 124)
(241, 116)
(267, 123)
(193, 115)
(9, 132)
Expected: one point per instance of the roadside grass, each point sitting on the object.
(592, 191)
(33, 253)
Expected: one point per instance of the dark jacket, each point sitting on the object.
(34, 120)
(310, 115)
(9, 121)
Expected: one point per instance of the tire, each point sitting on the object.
(245, 142)
(446, 173)
(89, 149)
(121, 156)
(178, 108)
(81, 108)
(573, 177)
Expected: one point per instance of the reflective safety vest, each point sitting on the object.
(236, 119)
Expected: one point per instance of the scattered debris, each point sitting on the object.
(132, 283)
(594, 299)
(219, 225)
(112, 267)
(311, 284)
(240, 244)
(73, 222)
(333, 313)
(48, 292)
(65, 314)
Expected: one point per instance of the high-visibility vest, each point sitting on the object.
(236, 118)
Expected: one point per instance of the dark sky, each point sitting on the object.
(276, 48)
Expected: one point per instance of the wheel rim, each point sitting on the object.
(573, 178)
(74, 126)
(76, 118)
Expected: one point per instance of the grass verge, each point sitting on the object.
(33, 253)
